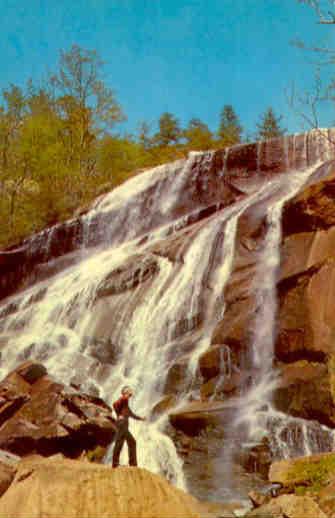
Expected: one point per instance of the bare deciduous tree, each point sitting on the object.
(325, 10)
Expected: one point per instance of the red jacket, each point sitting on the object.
(121, 407)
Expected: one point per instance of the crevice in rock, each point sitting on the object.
(293, 281)
(87, 437)
(300, 354)
(12, 408)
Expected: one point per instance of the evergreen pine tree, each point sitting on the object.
(169, 130)
(269, 126)
(230, 129)
(198, 135)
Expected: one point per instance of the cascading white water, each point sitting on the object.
(54, 329)
(169, 315)
(255, 409)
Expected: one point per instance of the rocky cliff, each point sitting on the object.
(207, 285)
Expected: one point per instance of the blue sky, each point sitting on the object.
(189, 57)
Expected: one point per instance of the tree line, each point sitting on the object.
(59, 145)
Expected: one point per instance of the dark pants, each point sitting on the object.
(123, 434)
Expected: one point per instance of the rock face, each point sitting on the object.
(8, 468)
(205, 189)
(39, 415)
(289, 506)
(74, 489)
(304, 471)
(165, 267)
(312, 477)
(196, 416)
(305, 390)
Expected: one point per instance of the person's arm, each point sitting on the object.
(134, 416)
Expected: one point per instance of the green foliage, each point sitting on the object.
(80, 87)
(169, 130)
(198, 136)
(269, 126)
(312, 475)
(97, 454)
(300, 490)
(230, 129)
(59, 149)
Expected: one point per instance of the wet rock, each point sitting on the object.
(196, 416)
(305, 390)
(178, 378)
(223, 386)
(234, 328)
(300, 252)
(257, 499)
(210, 361)
(307, 329)
(257, 458)
(19, 264)
(43, 416)
(311, 209)
(50, 486)
(31, 371)
(213, 181)
(128, 276)
(165, 404)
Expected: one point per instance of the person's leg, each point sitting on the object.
(119, 442)
(132, 454)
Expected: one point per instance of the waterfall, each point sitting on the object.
(146, 288)
(255, 409)
(54, 320)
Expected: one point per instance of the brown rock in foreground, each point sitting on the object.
(39, 415)
(304, 471)
(326, 499)
(75, 489)
(8, 467)
(289, 506)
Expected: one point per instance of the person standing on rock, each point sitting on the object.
(123, 412)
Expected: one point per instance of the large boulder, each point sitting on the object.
(74, 489)
(313, 208)
(197, 416)
(214, 361)
(305, 390)
(307, 275)
(300, 252)
(8, 468)
(306, 314)
(37, 414)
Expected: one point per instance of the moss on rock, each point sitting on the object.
(304, 473)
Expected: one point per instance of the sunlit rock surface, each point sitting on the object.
(40, 415)
(74, 489)
(225, 257)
